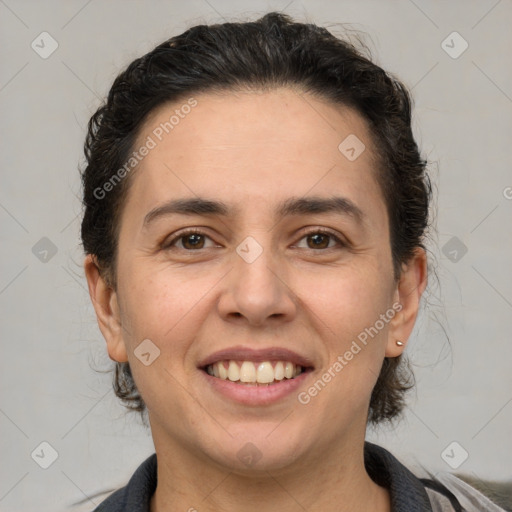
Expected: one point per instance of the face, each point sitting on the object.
(249, 240)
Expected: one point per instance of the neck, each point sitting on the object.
(334, 481)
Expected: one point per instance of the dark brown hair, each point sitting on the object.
(268, 53)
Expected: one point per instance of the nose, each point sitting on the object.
(258, 291)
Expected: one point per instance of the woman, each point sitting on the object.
(255, 214)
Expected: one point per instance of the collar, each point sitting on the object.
(407, 492)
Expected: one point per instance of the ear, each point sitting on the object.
(104, 300)
(410, 287)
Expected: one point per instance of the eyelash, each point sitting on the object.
(319, 231)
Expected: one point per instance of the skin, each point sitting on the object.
(253, 150)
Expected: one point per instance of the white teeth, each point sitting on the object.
(248, 372)
(279, 371)
(265, 373)
(233, 371)
(223, 373)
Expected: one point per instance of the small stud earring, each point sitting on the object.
(400, 343)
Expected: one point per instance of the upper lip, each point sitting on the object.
(241, 353)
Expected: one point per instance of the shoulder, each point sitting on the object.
(136, 495)
(446, 489)
(444, 493)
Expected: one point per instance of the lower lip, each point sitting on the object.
(256, 395)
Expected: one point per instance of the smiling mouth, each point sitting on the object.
(248, 373)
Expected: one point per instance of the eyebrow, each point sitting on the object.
(291, 206)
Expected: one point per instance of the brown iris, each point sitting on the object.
(193, 241)
(320, 241)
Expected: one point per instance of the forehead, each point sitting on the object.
(259, 146)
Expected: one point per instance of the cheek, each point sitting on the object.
(165, 306)
(347, 300)
(347, 308)
(354, 348)
(169, 311)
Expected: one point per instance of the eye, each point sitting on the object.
(189, 240)
(193, 240)
(320, 239)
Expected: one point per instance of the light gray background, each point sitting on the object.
(49, 335)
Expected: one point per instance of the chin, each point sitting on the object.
(257, 449)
